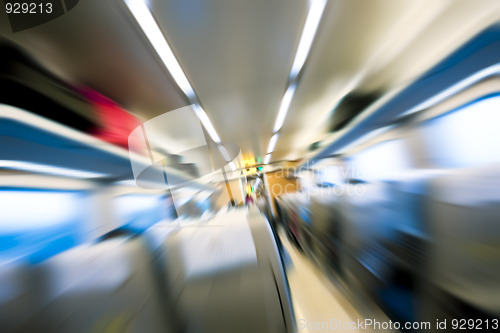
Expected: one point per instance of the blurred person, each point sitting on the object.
(248, 200)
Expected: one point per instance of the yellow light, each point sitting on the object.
(250, 171)
(249, 162)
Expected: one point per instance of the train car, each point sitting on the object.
(249, 166)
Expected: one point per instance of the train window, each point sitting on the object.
(380, 162)
(330, 176)
(36, 224)
(308, 179)
(467, 137)
(140, 211)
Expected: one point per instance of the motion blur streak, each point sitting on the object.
(410, 229)
(250, 166)
(148, 24)
(466, 83)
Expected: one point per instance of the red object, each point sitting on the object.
(115, 123)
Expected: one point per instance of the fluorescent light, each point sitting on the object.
(232, 166)
(285, 105)
(48, 169)
(272, 143)
(224, 153)
(267, 159)
(202, 115)
(152, 31)
(146, 21)
(306, 39)
(310, 28)
(461, 85)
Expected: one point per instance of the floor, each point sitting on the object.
(319, 305)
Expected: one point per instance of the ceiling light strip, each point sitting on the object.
(148, 24)
(285, 105)
(152, 31)
(272, 143)
(202, 115)
(308, 33)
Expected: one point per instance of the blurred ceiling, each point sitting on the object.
(237, 55)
